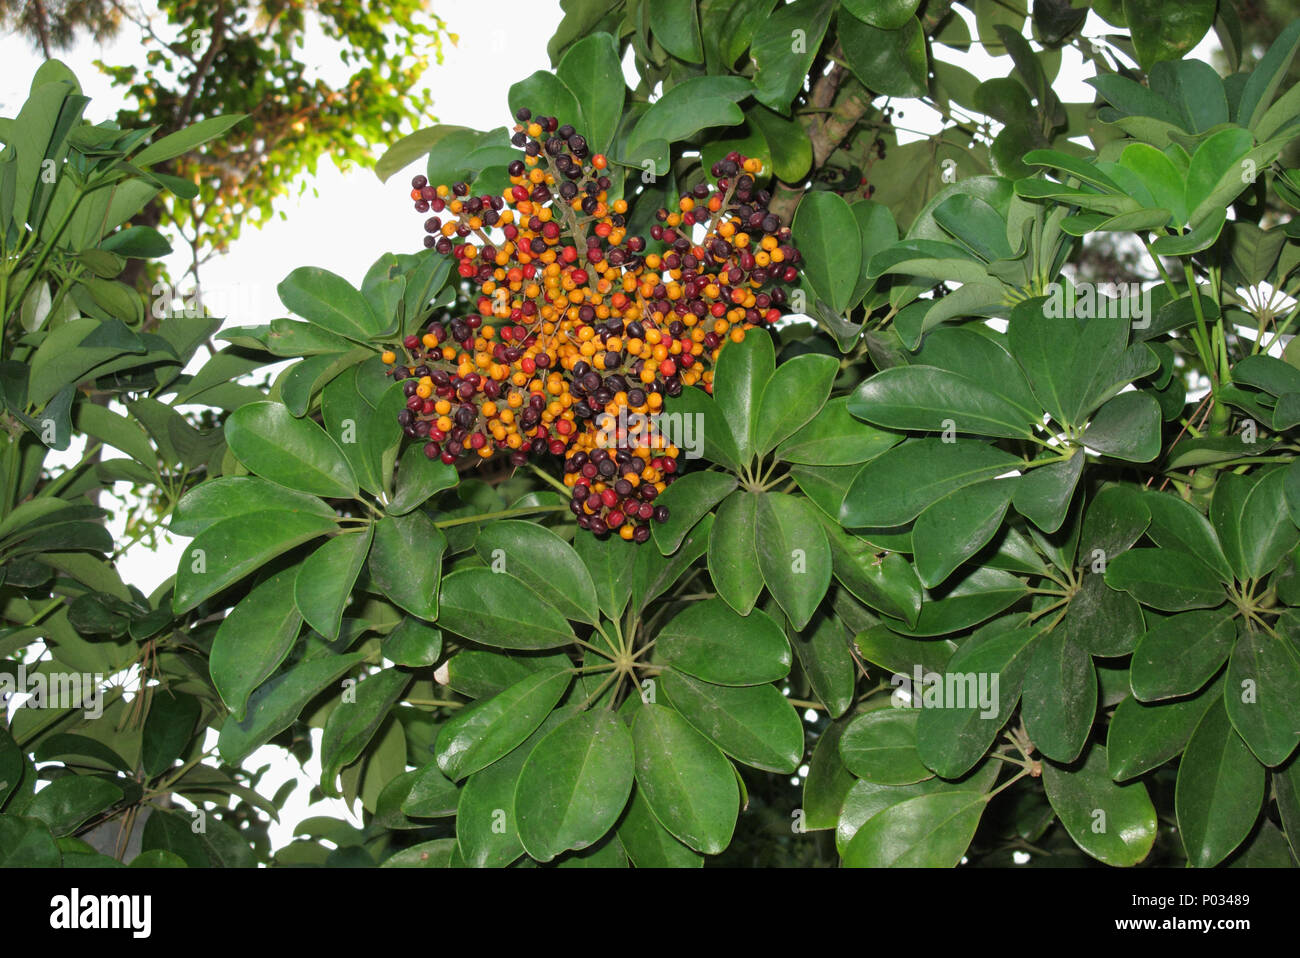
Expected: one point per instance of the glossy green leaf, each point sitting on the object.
(1165, 579)
(886, 61)
(1059, 700)
(295, 453)
(741, 375)
(793, 554)
(1181, 653)
(1115, 824)
(952, 740)
(479, 735)
(687, 782)
(544, 562)
(574, 784)
(688, 499)
(932, 399)
(1143, 736)
(753, 724)
(326, 577)
(896, 487)
(1219, 792)
(880, 747)
(406, 562)
(957, 526)
(228, 497)
(733, 552)
(168, 730)
(273, 706)
(253, 639)
(827, 234)
(928, 831)
(353, 723)
(1261, 690)
(67, 802)
(648, 843)
(498, 609)
(711, 642)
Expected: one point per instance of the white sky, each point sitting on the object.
(343, 221)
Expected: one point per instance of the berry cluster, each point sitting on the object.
(579, 325)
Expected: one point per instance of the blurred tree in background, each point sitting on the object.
(234, 56)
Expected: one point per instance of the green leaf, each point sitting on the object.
(233, 548)
(892, 62)
(1261, 690)
(486, 825)
(1059, 701)
(273, 706)
(413, 643)
(27, 843)
(168, 729)
(353, 723)
(574, 784)
(1181, 653)
(753, 724)
(544, 562)
(823, 652)
(1115, 824)
(677, 28)
(292, 452)
(1167, 30)
(896, 487)
(227, 497)
(1264, 80)
(591, 69)
(546, 95)
(483, 733)
(957, 526)
(742, 373)
(952, 740)
(67, 802)
(418, 478)
(788, 142)
(835, 438)
(1142, 736)
(781, 65)
(733, 551)
(884, 14)
(1219, 792)
(688, 499)
(406, 562)
(329, 301)
(500, 610)
(1165, 579)
(687, 782)
(793, 554)
(880, 747)
(187, 139)
(610, 562)
(325, 579)
(711, 642)
(648, 843)
(795, 394)
(684, 109)
(928, 831)
(1127, 427)
(432, 794)
(1176, 524)
(826, 232)
(253, 639)
(931, 399)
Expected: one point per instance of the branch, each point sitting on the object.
(827, 125)
(205, 65)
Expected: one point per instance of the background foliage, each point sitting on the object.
(1034, 497)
